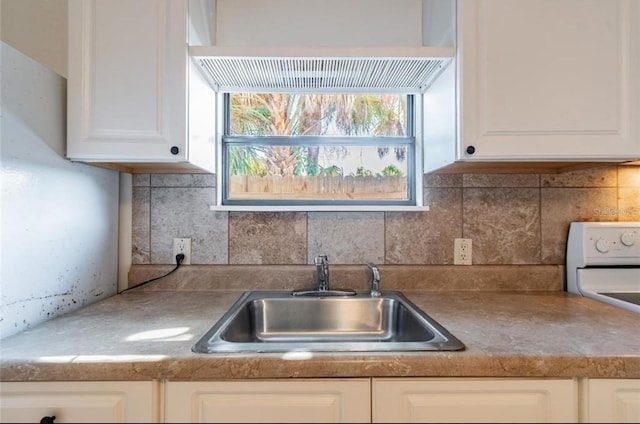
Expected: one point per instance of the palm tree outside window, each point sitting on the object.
(318, 149)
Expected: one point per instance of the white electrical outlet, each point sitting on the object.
(462, 251)
(182, 245)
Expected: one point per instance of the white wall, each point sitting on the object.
(38, 28)
(59, 219)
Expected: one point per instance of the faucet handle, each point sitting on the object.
(322, 262)
(375, 280)
(322, 272)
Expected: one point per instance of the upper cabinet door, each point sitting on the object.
(127, 86)
(549, 79)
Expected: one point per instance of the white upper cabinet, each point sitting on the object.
(532, 80)
(322, 46)
(322, 24)
(539, 80)
(132, 88)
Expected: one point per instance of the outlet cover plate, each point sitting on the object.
(462, 251)
(182, 245)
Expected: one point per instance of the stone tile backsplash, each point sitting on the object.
(362, 236)
(504, 224)
(267, 238)
(513, 219)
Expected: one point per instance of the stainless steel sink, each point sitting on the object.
(277, 321)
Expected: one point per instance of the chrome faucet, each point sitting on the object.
(375, 280)
(322, 272)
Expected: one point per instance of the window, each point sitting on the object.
(355, 149)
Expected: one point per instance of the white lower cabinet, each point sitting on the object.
(474, 400)
(79, 402)
(325, 400)
(612, 400)
(297, 401)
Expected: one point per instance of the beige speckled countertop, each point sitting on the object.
(147, 334)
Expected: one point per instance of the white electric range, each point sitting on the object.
(603, 262)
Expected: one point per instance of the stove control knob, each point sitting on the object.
(602, 246)
(627, 238)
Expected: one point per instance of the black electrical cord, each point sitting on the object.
(179, 259)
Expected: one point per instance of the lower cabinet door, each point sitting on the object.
(613, 401)
(78, 402)
(268, 401)
(474, 400)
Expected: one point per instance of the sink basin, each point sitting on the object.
(277, 321)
